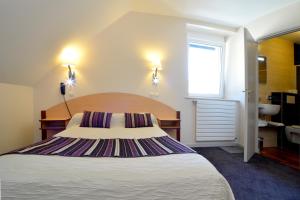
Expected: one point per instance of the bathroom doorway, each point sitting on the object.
(279, 98)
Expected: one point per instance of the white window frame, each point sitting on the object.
(212, 41)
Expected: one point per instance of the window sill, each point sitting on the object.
(209, 98)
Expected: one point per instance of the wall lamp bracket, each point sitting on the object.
(71, 76)
(155, 78)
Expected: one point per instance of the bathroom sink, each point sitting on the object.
(268, 109)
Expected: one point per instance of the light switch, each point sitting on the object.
(290, 99)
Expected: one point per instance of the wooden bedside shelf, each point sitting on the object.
(171, 124)
(52, 126)
(170, 127)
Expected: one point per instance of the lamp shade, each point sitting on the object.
(70, 56)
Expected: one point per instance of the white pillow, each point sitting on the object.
(117, 120)
(75, 120)
(154, 120)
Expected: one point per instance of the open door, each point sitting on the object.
(251, 99)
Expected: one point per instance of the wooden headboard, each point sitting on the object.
(112, 102)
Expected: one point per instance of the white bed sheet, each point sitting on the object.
(181, 176)
(113, 132)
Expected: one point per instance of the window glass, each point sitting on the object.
(204, 70)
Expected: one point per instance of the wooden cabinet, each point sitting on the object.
(169, 125)
(289, 113)
(52, 126)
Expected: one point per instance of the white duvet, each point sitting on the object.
(181, 176)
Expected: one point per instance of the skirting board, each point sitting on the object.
(213, 144)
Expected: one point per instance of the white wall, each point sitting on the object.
(284, 19)
(234, 76)
(16, 117)
(117, 62)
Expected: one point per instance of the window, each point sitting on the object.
(205, 70)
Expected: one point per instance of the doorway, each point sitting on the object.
(279, 99)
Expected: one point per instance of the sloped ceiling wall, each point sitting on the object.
(33, 32)
(228, 12)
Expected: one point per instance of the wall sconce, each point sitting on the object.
(71, 76)
(156, 67)
(69, 82)
(69, 58)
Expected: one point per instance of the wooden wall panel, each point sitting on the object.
(113, 102)
(281, 72)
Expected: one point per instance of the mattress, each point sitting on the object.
(177, 176)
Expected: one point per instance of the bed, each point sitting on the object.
(171, 176)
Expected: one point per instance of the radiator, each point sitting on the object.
(216, 120)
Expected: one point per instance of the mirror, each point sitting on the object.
(262, 68)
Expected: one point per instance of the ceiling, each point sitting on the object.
(229, 12)
(32, 32)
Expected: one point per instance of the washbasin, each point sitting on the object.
(268, 109)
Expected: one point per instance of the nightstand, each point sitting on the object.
(52, 126)
(169, 125)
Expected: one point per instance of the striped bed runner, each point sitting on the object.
(123, 148)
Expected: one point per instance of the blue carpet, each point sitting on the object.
(259, 179)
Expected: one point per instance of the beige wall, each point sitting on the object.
(281, 72)
(16, 117)
(117, 62)
(234, 79)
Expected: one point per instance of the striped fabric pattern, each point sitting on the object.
(96, 119)
(138, 120)
(123, 148)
